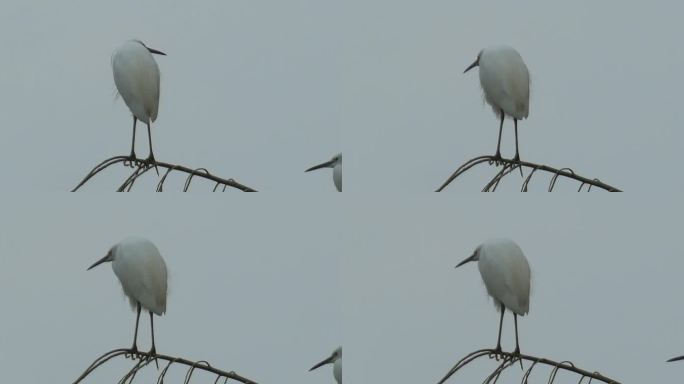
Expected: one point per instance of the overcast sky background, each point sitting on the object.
(606, 283)
(260, 91)
(248, 291)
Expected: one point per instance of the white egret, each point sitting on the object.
(336, 164)
(506, 275)
(336, 360)
(136, 76)
(142, 273)
(506, 85)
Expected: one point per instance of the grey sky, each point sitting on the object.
(260, 91)
(605, 90)
(248, 291)
(606, 280)
(238, 76)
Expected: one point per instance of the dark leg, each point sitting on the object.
(497, 156)
(517, 153)
(497, 350)
(517, 344)
(153, 351)
(498, 343)
(132, 157)
(150, 159)
(135, 336)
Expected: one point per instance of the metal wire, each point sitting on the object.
(141, 167)
(508, 166)
(510, 359)
(142, 359)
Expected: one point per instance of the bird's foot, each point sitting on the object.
(152, 354)
(516, 159)
(496, 159)
(150, 161)
(496, 353)
(134, 354)
(131, 161)
(516, 355)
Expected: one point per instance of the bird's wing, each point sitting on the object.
(137, 80)
(517, 88)
(506, 87)
(519, 280)
(494, 277)
(144, 285)
(505, 284)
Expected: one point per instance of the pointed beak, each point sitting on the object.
(329, 360)
(473, 65)
(152, 50)
(327, 164)
(102, 260)
(469, 259)
(676, 359)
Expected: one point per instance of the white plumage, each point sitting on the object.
(337, 174)
(505, 82)
(336, 360)
(136, 75)
(337, 368)
(336, 164)
(141, 270)
(142, 273)
(506, 274)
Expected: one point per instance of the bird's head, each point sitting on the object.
(328, 164)
(152, 50)
(330, 360)
(108, 257)
(474, 257)
(475, 63)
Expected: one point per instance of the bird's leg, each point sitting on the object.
(497, 350)
(517, 153)
(132, 159)
(517, 344)
(153, 351)
(497, 156)
(150, 160)
(134, 348)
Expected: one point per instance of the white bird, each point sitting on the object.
(505, 82)
(506, 275)
(336, 164)
(136, 76)
(142, 273)
(336, 360)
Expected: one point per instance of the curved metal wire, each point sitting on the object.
(143, 359)
(141, 167)
(509, 359)
(509, 165)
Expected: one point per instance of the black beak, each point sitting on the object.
(327, 164)
(322, 363)
(469, 259)
(676, 359)
(152, 50)
(102, 260)
(473, 65)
